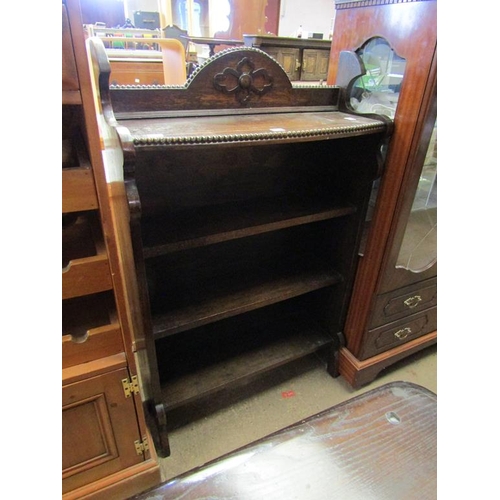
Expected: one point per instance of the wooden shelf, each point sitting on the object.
(233, 295)
(183, 131)
(195, 228)
(244, 367)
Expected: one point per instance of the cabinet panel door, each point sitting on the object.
(289, 59)
(314, 64)
(413, 253)
(99, 427)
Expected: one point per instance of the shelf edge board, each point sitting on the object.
(255, 301)
(243, 374)
(236, 233)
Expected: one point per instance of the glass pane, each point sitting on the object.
(378, 90)
(187, 15)
(419, 247)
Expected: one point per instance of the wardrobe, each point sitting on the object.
(393, 308)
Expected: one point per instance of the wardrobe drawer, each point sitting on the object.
(404, 301)
(398, 332)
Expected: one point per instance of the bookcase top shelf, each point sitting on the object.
(249, 128)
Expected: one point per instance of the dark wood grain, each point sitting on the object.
(382, 444)
(415, 40)
(199, 94)
(246, 195)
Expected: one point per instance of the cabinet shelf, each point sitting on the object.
(294, 338)
(195, 228)
(206, 303)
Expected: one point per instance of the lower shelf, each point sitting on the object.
(240, 357)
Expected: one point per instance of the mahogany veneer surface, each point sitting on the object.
(380, 445)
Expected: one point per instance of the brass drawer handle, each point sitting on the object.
(403, 333)
(412, 302)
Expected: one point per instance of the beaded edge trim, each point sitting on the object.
(257, 136)
(346, 4)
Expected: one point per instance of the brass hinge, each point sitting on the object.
(141, 446)
(130, 387)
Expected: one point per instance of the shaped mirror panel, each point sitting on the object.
(378, 90)
(418, 249)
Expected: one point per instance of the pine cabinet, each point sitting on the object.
(105, 452)
(100, 432)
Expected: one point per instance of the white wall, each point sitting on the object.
(144, 5)
(315, 16)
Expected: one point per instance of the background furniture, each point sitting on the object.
(394, 303)
(302, 59)
(147, 20)
(143, 57)
(173, 31)
(105, 452)
(245, 222)
(173, 64)
(212, 43)
(130, 68)
(123, 38)
(382, 444)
